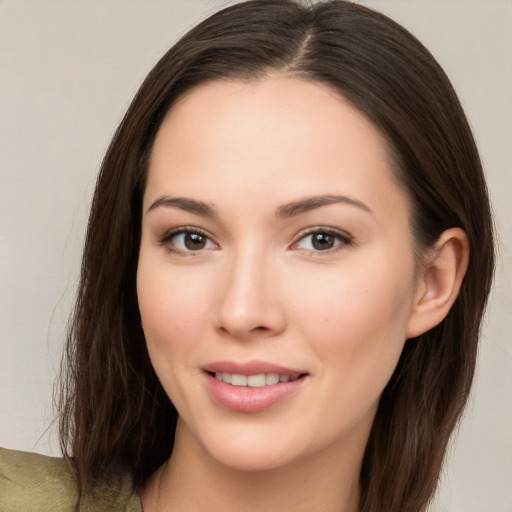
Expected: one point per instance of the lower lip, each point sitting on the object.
(248, 399)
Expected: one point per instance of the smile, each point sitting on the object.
(254, 381)
(252, 386)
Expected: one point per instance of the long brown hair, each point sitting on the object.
(114, 413)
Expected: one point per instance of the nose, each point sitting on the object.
(249, 302)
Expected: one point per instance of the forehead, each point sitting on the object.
(281, 136)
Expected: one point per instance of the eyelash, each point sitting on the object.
(344, 240)
(166, 239)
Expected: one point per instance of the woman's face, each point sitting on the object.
(276, 255)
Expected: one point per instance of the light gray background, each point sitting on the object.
(68, 71)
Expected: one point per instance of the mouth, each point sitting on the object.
(252, 386)
(258, 380)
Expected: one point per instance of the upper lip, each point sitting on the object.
(252, 367)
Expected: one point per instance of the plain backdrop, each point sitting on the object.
(68, 71)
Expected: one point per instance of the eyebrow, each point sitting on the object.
(311, 203)
(186, 204)
(287, 210)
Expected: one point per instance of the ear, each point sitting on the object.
(439, 281)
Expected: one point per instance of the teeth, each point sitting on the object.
(238, 380)
(254, 381)
(271, 378)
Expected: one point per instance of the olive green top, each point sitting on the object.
(30, 482)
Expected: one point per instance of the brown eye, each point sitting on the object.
(322, 240)
(184, 241)
(194, 241)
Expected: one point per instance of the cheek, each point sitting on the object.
(358, 336)
(172, 308)
(356, 320)
(173, 313)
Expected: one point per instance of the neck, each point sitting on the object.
(193, 481)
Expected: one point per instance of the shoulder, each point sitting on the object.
(33, 482)
(30, 482)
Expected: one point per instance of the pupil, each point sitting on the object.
(323, 241)
(194, 241)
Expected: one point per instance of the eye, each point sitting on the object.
(187, 240)
(322, 240)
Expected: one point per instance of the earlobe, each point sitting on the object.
(439, 281)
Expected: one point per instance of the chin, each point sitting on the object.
(248, 448)
(262, 456)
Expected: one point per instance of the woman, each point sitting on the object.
(292, 244)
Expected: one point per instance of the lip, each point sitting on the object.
(252, 367)
(249, 399)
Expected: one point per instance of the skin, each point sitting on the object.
(259, 289)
